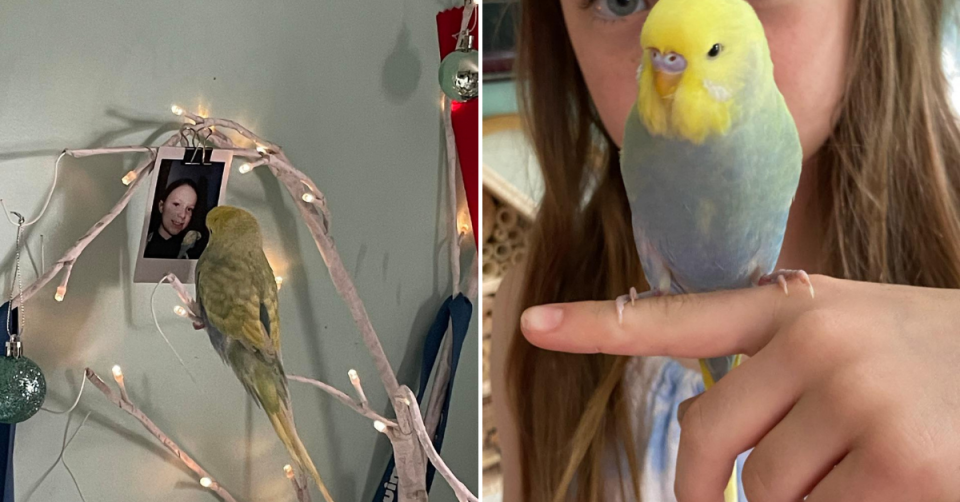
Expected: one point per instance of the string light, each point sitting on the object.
(308, 198)
(129, 177)
(279, 282)
(118, 376)
(355, 380)
(61, 292)
(288, 471)
(379, 426)
(180, 311)
(245, 168)
(176, 110)
(463, 222)
(205, 482)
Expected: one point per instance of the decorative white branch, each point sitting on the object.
(303, 494)
(74, 251)
(462, 492)
(126, 405)
(191, 306)
(343, 398)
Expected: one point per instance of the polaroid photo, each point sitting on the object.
(187, 183)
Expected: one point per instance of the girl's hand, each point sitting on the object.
(851, 396)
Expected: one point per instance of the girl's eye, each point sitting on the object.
(615, 9)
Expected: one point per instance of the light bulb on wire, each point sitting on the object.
(129, 177)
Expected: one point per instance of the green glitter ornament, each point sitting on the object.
(22, 386)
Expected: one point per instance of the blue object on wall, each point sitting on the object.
(459, 310)
(7, 431)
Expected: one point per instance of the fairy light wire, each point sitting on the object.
(61, 457)
(46, 203)
(156, 323)
(83, 383)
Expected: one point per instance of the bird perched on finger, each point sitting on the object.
(237, 298)
(711, 157)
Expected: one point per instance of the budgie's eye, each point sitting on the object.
(715, 50)
(615, 9)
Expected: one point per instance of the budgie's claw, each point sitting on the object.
(782, 276)
(632, 297)
(622, 302)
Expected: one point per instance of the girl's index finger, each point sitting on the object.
(694, 325)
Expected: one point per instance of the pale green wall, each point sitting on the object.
(349, 90)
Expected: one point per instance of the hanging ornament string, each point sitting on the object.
(22, 384)
(452, 164)
(21, 318)
(463, 36)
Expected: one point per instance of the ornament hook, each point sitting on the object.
(14, 347)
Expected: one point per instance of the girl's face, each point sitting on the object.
(177, 209)
(808, 42)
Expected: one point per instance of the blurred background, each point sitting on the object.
(511, 188)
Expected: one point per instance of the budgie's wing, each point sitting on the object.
(714, 213)
(239, 299)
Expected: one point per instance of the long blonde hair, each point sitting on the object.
(889, 174)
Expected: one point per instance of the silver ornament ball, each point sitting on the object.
(460, 75)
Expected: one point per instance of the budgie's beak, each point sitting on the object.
(667, 71)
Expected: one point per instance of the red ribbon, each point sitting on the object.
(464, 116)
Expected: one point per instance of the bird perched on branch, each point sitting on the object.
(711, 156)
(237, 296)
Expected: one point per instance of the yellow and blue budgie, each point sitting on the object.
(711, 157)
(237, 295)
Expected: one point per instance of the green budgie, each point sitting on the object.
(237, 295)
(711, 157)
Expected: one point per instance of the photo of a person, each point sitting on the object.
(172, 236)
(184, 189)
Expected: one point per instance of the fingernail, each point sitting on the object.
(541, 319)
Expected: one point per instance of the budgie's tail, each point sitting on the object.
(282, 421)
(714, 369)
